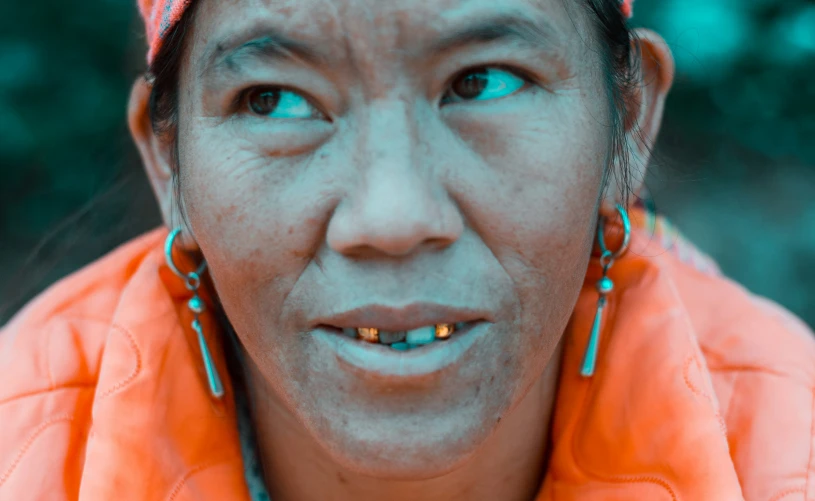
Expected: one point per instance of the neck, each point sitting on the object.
(509, 466)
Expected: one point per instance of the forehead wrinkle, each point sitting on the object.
(425, 34)
(371, 34)
(431, 35)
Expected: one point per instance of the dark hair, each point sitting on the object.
(612, 37)
(164, 75)
(621, 70)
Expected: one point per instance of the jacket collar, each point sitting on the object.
(647, 424)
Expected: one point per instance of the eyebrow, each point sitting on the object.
(267, 42)
(510, 27)
(262, 41)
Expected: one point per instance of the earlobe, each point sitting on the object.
(155, 152)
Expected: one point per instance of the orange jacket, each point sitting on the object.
(702, 391)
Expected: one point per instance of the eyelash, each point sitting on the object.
(240, 106)
(523, 75)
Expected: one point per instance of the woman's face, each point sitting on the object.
(345, 154)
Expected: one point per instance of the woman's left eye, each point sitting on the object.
(483, 84)
(279, 103)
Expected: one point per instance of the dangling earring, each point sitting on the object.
(604, 287)
(196, 306)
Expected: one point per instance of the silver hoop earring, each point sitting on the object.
(604, 287)
(196, 306)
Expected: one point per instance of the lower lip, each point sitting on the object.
(381, 361)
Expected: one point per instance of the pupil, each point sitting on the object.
(472, 85)
(264, 102)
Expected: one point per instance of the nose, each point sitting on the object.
(398, 203)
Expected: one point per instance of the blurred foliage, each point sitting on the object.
(735, 164)
(745, 71)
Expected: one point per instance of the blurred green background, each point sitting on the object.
(735, 170)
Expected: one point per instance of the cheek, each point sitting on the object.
(545, 171)
(257, 220)
(247, 206)
(535, 205)
(543, 160)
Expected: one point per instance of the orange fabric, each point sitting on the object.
(159, 17)
(702, 392)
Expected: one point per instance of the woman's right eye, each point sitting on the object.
(276, 102)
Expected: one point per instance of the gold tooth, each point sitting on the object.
(444, 331)
(369, 334)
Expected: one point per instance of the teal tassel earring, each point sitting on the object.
(604, 287)
(196, 306)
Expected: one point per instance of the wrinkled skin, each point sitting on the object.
(374, 185)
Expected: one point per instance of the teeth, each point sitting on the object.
(404, 340)
(444, 331)
(370, 334)
(387, 337)
(422, 335)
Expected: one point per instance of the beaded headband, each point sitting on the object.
(161, 15)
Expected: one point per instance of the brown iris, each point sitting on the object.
(471, 85)
(263, 101)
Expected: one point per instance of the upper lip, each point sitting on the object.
(403, 318)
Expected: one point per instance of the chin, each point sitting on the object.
(417, 454)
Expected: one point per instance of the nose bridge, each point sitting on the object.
(395, 204)
(395, 185)
(388, 141)
(393, 177)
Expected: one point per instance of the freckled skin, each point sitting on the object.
(392, 197)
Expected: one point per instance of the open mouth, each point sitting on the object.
(406, 353)
(404, 340)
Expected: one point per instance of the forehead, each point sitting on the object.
(342, 26)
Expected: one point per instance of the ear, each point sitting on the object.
(156, 153)
(644, 108)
